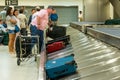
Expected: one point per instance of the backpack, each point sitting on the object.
(54, 17)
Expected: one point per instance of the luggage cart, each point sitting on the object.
(25, 48)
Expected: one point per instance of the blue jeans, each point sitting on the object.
(40, 33)
(33, 30)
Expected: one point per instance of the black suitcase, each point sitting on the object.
(65, 39)
(56, 31)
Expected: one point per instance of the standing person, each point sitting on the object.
(2, 28)
(38, 25)
(17, 27)
(24, 10)
(54, 17)
(23, 22)
(80, 16)
(30, 17)
(11, 22)
(2, 31)
(3, 16)
(36, 13)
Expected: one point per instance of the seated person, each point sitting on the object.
(2, 31)
(2, 28)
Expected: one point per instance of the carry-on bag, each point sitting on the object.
(55, 46)
(65, 39)
(61, 67)
(56, 31)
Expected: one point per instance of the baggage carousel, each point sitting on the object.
(108, 35)
(96, 60)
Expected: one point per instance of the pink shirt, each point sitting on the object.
(43, 14)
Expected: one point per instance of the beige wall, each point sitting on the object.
(111, 11)
(2, 2)
(45, 3)
(100, 10)
(116, 6)
(96, 10)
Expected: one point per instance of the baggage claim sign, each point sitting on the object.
(11, 2)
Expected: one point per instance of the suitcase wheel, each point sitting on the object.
(76, 65)
(18, 62)
(72, 55)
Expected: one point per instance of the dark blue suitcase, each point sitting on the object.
(61, 67)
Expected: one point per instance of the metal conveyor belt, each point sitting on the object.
(96, 60)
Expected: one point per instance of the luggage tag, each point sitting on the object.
(51, 28)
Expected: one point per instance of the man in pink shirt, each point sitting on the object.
(39, 24)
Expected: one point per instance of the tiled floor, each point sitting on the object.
(10, 71)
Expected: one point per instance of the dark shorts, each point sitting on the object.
(17, 29)
(11, 31)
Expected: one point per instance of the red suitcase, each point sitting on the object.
(55, 46)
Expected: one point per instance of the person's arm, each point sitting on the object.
(3, 28)
(30, 18)
(38, 20)
(26, 24)
(13, 20)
